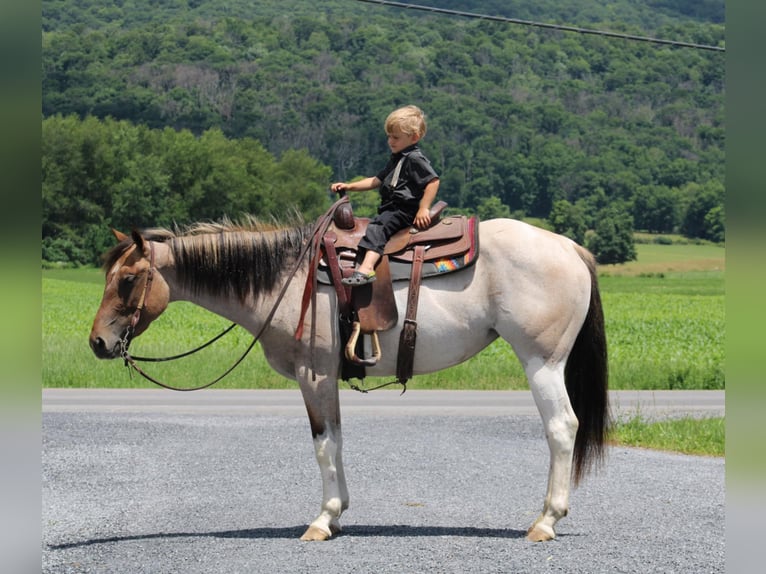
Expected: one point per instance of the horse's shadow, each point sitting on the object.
(294, 532)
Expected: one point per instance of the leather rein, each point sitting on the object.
(130, 361)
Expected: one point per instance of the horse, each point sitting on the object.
(535, 289)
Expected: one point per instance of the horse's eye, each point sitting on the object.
(126, 286)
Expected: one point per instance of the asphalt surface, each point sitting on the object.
(153, 481)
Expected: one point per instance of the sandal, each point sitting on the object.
(358, 278)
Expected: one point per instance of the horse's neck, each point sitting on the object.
(249, 314)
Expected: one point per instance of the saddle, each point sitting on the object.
(447, 245)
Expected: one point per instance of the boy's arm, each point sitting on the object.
(423, 219)
(361, 185)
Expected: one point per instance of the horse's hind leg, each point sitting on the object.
(549, 391)
(323, 407)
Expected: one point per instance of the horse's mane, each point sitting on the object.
(227, 258)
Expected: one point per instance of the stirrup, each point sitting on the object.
(351, 348)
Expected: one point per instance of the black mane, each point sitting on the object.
(227, 259)
(235, 261)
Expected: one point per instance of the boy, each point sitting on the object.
(408, 186)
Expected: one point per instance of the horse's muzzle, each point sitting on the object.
(100, 349)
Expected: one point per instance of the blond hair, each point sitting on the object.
(409, 120)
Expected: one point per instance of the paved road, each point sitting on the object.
(445, 403)
(225, 481)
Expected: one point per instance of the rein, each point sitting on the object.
(357, 388)
(130, 361)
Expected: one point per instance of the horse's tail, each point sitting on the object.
(587, 376)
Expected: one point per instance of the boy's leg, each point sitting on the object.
(379, 231)
(367, 266)
(365, 271)
(382, 228)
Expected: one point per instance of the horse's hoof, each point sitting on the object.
(314, 533)
(540, 533)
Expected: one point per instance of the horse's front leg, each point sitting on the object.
(323, 406)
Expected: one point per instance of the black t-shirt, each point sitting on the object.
(415, 174)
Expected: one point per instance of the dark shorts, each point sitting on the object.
(383, 226)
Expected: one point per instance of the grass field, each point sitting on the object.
(654, 258)
(704, 437)
(664, 322)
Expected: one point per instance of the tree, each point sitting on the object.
(568, 219)
(98, 174)
(303, 183)
(530, 119)
(492, 208)
(655, 209)
(703, 217)
(612, 241)
(715, 224)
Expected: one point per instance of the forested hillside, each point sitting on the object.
(522, 120)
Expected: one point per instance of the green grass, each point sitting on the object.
(665, 318)
(685, 435)
(70, 301)
(664, 321)
(653, 253)
(664, 332)
(669, 340)
(689, 283)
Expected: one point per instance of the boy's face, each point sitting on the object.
(398, 140)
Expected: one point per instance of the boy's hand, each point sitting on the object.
(422, 219)
(338, 187)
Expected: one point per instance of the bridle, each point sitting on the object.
(128, 335)
(130, 361)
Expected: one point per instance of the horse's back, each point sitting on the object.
(519, 266)
(518, 233)
(531, 253)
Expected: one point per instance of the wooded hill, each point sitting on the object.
(522, 120)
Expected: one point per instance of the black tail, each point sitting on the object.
(587, 381)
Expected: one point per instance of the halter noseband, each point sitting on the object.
(126, 338)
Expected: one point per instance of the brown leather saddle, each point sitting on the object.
(447, 245)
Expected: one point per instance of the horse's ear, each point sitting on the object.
(119, 235)
(137, 239)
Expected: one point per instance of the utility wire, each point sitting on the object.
(545, 25)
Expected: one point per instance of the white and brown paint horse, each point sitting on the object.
(535, 289)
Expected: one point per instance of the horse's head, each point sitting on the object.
(135, 295)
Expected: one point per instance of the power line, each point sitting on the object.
(545, 25)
